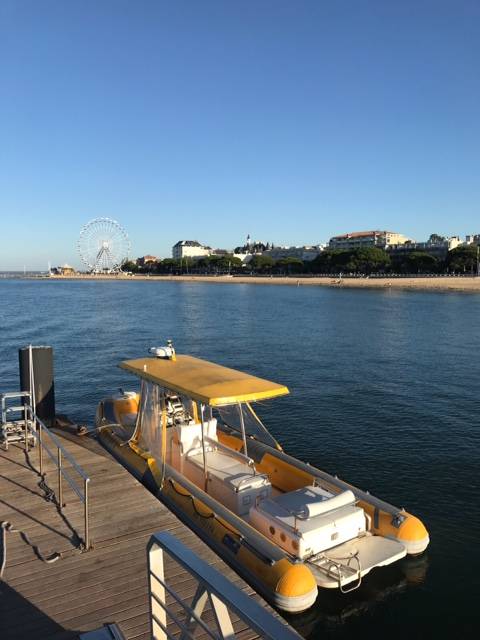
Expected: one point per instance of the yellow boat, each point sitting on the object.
(193, 438)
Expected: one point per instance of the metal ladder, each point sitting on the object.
(15, 423)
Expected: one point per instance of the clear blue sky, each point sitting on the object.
(289, 120)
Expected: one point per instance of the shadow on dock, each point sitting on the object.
(21, 619)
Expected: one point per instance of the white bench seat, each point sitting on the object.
(309, 520)
(231, 481)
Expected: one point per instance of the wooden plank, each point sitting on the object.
(101, 553)
(80, 592)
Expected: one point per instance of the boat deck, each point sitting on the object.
(83, 591)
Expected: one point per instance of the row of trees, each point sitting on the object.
(374, 260)
(361, 261)
(219, 265)
(207, 264)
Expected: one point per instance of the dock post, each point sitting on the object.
(157, 599)
(60, 487)
(36, 376)
(86, 515)
(40, 448)
(25, 419)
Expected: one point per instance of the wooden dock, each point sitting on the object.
(82, 591)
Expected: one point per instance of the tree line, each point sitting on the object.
(359, 261)
(220, 265)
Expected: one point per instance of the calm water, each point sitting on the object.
(385, 393)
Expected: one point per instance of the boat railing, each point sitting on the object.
(266, 550)
(58, 456)
(322, 477)
(214, 601)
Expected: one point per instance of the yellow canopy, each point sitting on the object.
(204, 381)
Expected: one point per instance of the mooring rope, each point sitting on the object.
(49, 496)
(49, 493)
(7, 526)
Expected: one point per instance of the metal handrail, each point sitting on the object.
(262, 547)
(233, 453)
(222, 594)
(334, 481)
(37, 431)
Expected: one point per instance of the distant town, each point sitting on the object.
(358, 252)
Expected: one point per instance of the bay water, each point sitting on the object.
(384, 393)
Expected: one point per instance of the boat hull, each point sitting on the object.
(288, 474)
(289, 584)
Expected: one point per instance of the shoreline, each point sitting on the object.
(434, 283)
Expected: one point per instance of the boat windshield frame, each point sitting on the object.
(263, 434)
(156, 415)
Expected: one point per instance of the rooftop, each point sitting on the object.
(187, 243)
(361, 234)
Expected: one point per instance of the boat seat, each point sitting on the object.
(312, 501)
(189, 436)
(223, 467)
(309, 520)
(231, 481)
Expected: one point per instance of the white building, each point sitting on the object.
(453, 242)
(244, 257)
(189, 249)
(438, 248)
(381, 239)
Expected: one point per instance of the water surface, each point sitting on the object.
(384, 393)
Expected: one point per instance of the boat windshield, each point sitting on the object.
(158, 404)
(160, 407)
(230, 416)
(147, 433)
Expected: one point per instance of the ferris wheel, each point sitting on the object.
(103, 245)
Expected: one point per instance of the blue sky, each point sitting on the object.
(208, 120)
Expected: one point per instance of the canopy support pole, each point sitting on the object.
(242, 424)
(202, 408)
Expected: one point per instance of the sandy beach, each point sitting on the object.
(467, 284)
